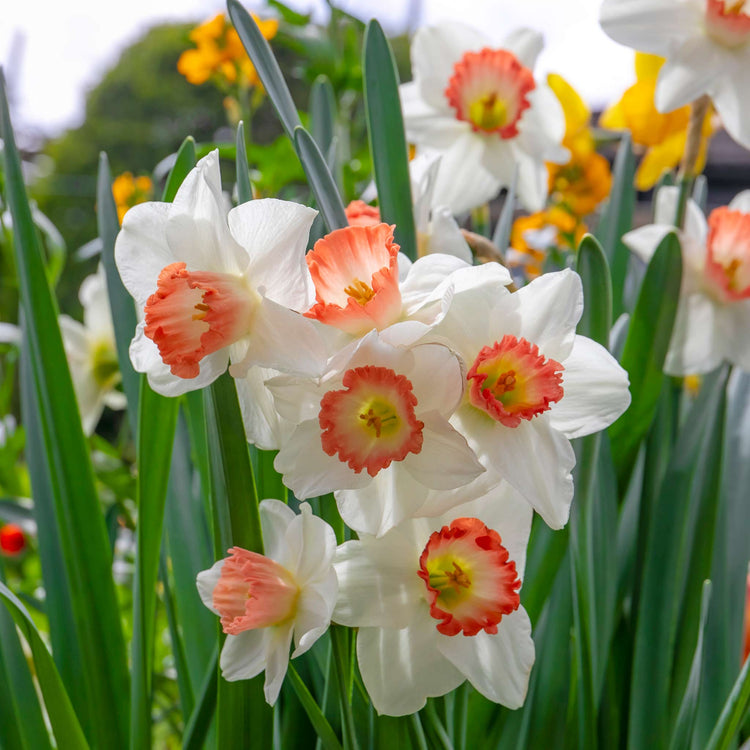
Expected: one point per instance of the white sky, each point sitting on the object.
(52, 51)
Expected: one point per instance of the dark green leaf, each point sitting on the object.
(645, 349)
(317, 719)
(244, 189)
(63, 720)
(320, 179)
(184, 162)
(385, 126)
(79, 521)
(734, 714)
(592, 267)
(323, 113)
(266, 66)
(501, 235)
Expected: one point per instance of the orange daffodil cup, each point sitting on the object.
(706, 44)
(217, 286)
(479, 105)
(713, 316)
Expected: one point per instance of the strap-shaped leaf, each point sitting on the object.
(63, 719)
(266, 66)
(645, 349)
(77, 515)
(592, 267)
(385, 126)
(244, 189)
(321, 181)
(504, 226)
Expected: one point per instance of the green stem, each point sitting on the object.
(317, 719)
(439, 737)
(339, 642)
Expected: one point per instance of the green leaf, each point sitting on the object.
(645, 349)
(184, 162)
(266, 66)
(79, 522)
(323, 113)
(241, 708)
(385, 126)
(592, 267)
(22, 725)
(198, 725)
(64, 722)
(244, 189)
(691, 480)
(321, 181)
(617, 219)
(157, 418)
(683, 731)
(317, 719)
(121, 303)
(734, 714)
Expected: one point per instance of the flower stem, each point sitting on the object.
(693, 143)
(341, 657)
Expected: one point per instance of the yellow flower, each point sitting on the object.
(219, 53)
(661, 136)
(533, 236)
(128, 190)
(585, 181)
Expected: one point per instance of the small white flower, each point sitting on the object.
(91, 352)
(265, 601)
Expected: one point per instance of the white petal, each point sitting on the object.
(550, 308)
(283, 340)
(426, 126)
(542, 127)
(465, 178)
(434, 52)
(533, 180)
(644, 241)
(497, 665)
(314, 610)
(736, 324)
(197, 229)
(596, 391)
(425, 275)
(446, 461)
(275, 518)
(445, 236)
(263, 425)
(533, 457)
(741, 202)
(277, 660)
(145, 357)
(275, 234)
(402, 668)
(206, 582)
(245, 655)
(655, 26)
(96, 311)
(378, 584)
(689, 72)
(697, 341)
(311, 544)
(732, 101)
(308, 471)
(438, 379)
(141, 249)
(525, 44)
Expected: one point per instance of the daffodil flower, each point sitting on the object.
(713, 316)
(532, 384)
(437, 602)
(661, 136)
(374, 430)
(215, 287)
(265, 601)
(706, 44)
(91, 353)
(481, 108)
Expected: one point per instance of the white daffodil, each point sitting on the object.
(713, 316)
(436, 601)
(532, 384)
(374, 430)
(481, 108)
(216, 287)
(91, 352)
(266, 600)
(706, 44)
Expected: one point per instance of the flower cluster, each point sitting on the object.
(435, 404)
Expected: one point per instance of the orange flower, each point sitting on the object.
(219, 53)
(661, 136)
(585, 181)
(533, 236)
(12, 539)
(128, 190)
